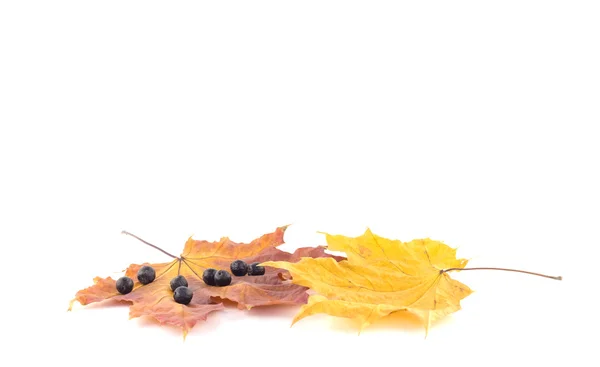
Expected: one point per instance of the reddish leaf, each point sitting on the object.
(156, 299)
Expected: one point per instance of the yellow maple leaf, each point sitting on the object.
(380, 276)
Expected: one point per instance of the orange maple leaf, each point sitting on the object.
(156, 299)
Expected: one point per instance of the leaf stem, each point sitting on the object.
(149, 244)
(504, 269)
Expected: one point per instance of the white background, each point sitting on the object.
(470, 122)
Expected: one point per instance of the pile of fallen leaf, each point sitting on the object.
(379, 277)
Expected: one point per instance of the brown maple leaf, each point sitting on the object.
(156, 299)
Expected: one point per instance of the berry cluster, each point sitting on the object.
(179, 285)
(146, 275)
(240, 268)
(221, 278)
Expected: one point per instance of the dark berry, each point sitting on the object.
(183, 295)
(178, 281)
(239, 268)
(209, 276)
(222, 278)
(124, 285)
(146, 274)
(254, 269)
